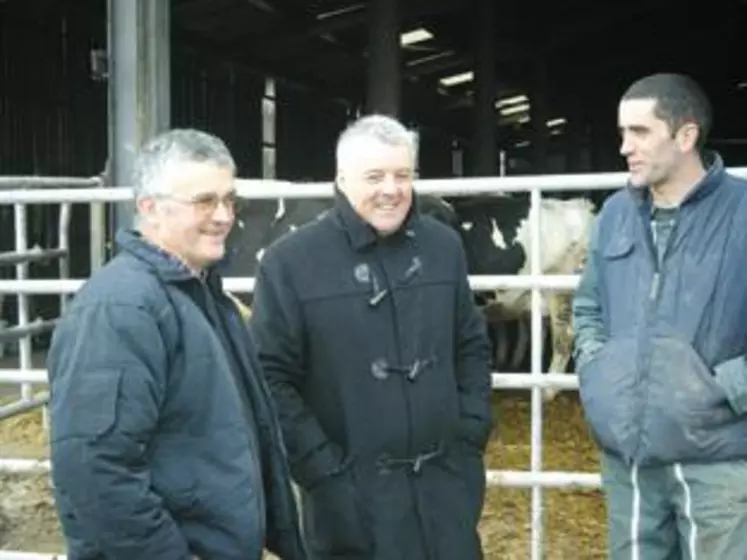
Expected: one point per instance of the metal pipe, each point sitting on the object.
(24, 405)
(263, 189)
(21, 376)
(36, 327)
(35, 254)
(24, 344)
(547, 479)
(38, 182)
(246, 284)
(563, 381)
(24, 466)
(138, 34)
(537, 343)
(63, 240)
(19, 555)
(507, 478)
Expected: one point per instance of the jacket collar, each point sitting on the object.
(360, 233)
(710, 181)
(165, 265)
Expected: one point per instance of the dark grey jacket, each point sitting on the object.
(164, 441)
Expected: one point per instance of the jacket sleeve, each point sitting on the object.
(473, 364)
(277, 329)
(107, 371)
(588, 324)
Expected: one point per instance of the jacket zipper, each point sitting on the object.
(644, 358)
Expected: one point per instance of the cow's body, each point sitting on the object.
(496, 233)
(497, 236)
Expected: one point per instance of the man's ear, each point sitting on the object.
(146, 206)
(687, 137)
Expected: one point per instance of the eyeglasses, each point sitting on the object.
(208, 202)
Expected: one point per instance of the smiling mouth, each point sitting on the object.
(387, 207)
(215, 236)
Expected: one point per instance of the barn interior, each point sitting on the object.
(494, 88)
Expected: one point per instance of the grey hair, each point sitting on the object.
(382, 128)
(176, 145)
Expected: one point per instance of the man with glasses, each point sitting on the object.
(380, 364)
(164, 440)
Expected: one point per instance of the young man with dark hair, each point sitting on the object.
(661, 335)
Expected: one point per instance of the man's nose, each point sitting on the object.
(626, 146)
(390, 185)
(223, 213)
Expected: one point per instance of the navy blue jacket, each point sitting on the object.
(163, 444)
(660, 348)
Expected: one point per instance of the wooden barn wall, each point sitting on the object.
(307, 126)
(435, 149)
(223, 101)
(53, 121)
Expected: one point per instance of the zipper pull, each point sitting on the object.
(654, 286)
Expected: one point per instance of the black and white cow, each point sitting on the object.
(495, 231)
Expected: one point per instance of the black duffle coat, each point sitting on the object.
(379, 363)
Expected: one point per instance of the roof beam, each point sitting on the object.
(284, 40)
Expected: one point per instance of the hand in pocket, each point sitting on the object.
(335, 522)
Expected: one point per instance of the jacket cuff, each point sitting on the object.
(731, 375)
(586, 353)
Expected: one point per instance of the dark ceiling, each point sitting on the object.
(589, 49)
(327, 39)
(583, 44)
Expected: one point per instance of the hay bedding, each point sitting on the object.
(574, 522)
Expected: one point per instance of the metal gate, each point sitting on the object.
(535, 478)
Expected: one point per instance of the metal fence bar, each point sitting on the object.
(39, 182)
(63, 241)
(24, 344)
(20, 376)
(37, 326)
(549, 479)
(257, 189)
(32, 255)
(535, 447)
(23, 405)
(260, 189)
(246, 284)
(20, 555)
(510, 478)
(563, 381)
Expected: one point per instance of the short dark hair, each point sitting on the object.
(679, 100)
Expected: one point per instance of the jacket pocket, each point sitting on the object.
(685, 402)
(176, 484)
(333, 517)
(465, 462)
(608, 388)
(618, 247)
